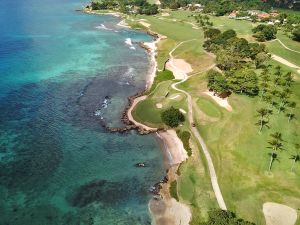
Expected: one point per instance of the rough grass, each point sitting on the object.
(209, 108)
(240, 155)
(160, 77)
(173, 190)
(276, 48)
(185, 138)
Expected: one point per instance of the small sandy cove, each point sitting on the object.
(166, 210)
(278, 214)
(179, 67)
(223, 102)
(173, 147)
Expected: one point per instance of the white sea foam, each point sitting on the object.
(129, 42)
(103, 27)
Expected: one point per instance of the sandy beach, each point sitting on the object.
(166, 210)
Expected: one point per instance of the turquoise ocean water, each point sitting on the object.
(61, 72)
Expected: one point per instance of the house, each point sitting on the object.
(232, 15)
(263, 16)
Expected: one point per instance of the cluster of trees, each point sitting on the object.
(276, 145)
(242, 81)
(203, 21)
(172, 117)
(222, 7)
(236, 57)
(264, 32)
(296, 33)
(129, 6)
(222, 217)
(275, 92)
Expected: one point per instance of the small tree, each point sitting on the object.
(172, 117)
(295, 157)
(263, 113)
(275, 145)
(290, 114)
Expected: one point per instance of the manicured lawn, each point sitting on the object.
(208, 107)
(276, 48)
(240, 154)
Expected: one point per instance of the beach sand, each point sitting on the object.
(166, 210)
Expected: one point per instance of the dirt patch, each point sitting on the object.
(278, 214)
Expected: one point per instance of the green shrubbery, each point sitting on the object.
(130, 7)
(222, 217)
(172, 117)
(265, 32)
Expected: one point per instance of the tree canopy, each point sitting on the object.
(172, 117)
(265, 32)
(222, 217)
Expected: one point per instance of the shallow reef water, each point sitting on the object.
(57, 164)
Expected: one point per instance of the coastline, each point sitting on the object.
(164, 209)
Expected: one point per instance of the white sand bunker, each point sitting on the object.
(278, 214)
(179, 67)
(182, 111)
(165, 14)
(145, 24)
(223, 102)
(159, 105)
(174, 97)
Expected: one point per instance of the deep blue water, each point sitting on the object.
(57, 164)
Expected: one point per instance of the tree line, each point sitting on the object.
(127, 7)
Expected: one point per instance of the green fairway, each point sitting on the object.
(276, 48)
(208, 107)
(240, 154)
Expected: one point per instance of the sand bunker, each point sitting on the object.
(174, 97)
(179, 67)
(145, 24)
(223, 102)
(183, 111)
(278, 214)
(165, 14)
(159, 105)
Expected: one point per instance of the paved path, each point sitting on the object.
(283, 45)
(212, 172)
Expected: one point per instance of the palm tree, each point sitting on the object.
(263, 113)
(276, 145)
(288, 79)
(291, 115)
(277, 136)
(296, 157)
